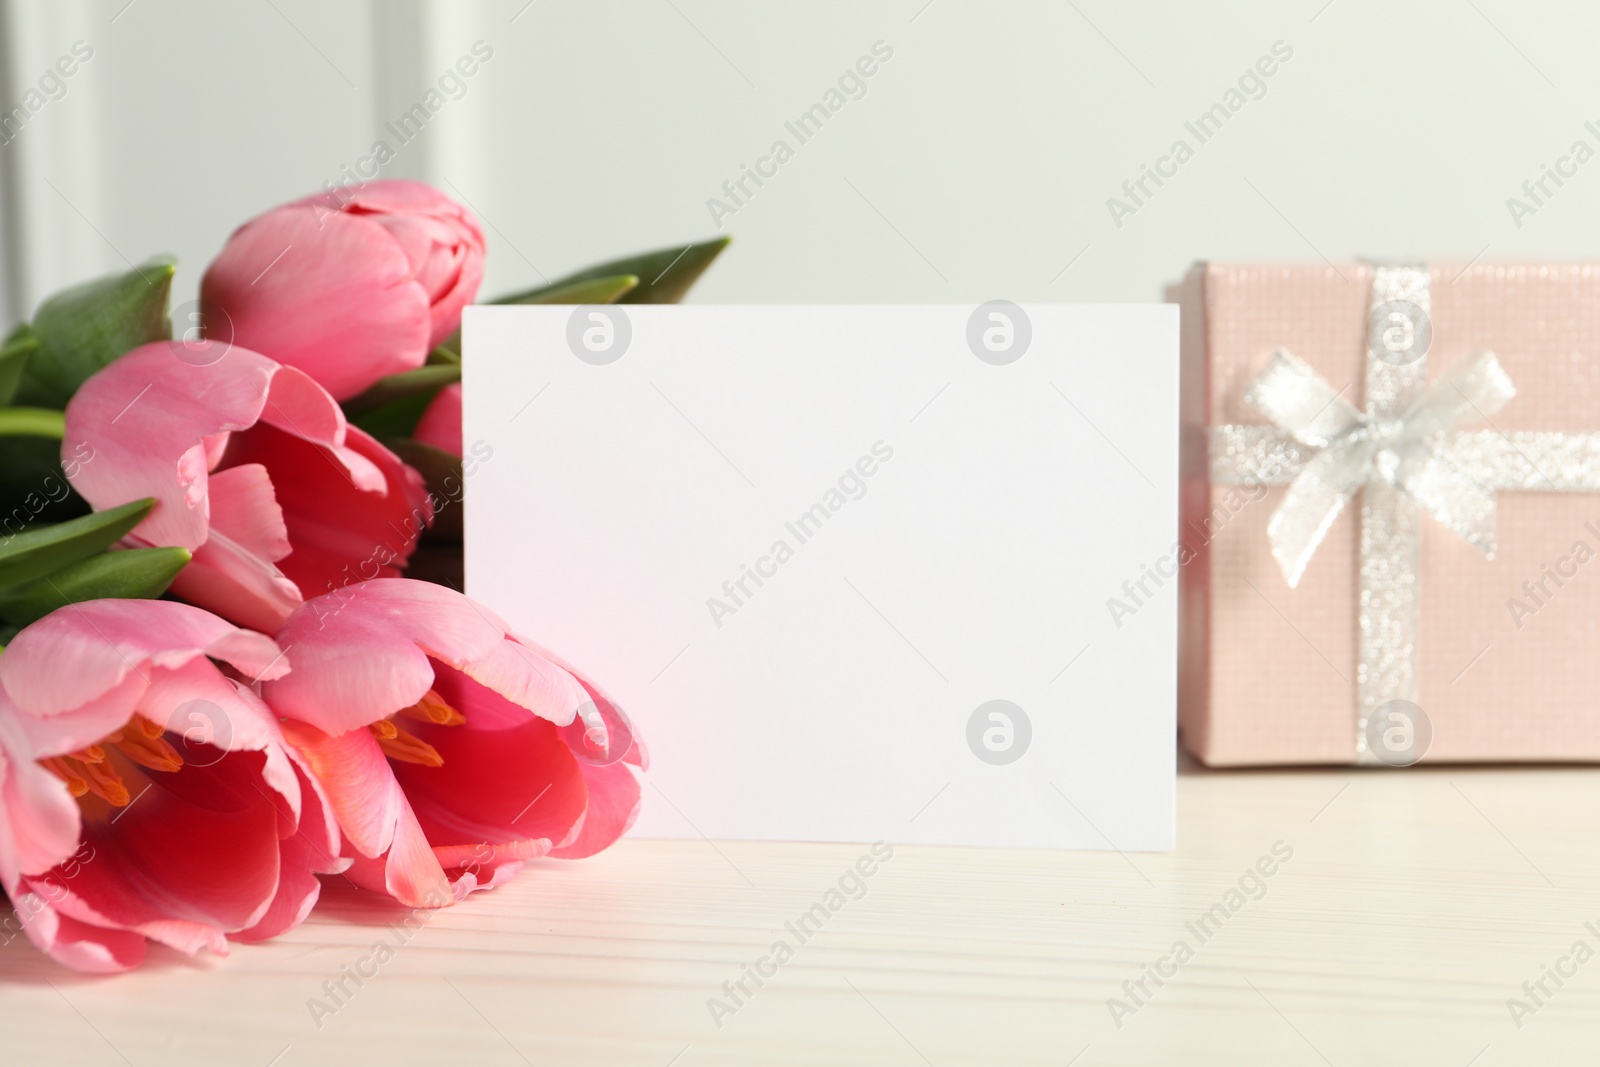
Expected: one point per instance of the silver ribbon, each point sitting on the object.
(1408, 452)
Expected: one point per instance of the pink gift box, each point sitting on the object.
(1504, 662)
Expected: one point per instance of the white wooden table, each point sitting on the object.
(1414, 905)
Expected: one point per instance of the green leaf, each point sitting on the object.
(397, 418)
(32, 422)
(663, 276)
(33, 487)
(32, 554)
(84, 328)
(448, 350)
(427, 380)
(137, 573)
(14, 360)
(606, 290)
(442, 473)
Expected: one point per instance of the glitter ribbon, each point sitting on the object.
(1408, 452)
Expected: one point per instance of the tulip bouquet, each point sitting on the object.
(216, 684)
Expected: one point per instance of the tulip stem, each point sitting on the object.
(32, 422)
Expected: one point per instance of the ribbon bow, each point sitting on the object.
(1409, 452)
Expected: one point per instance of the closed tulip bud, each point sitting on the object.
(350, 285)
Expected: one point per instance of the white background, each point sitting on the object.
(977, 166)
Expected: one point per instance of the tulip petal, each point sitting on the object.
(184, 935)
(153, 417)
(395, 196)
(79, 945)
(472, 868)
(194, 855)
(428, 245)
(452, 272)
(226, 578)
(41, 816)
(208, 715)
(412, 874)
(613, 805)
(359, 786)
(506, 776)
(528, 681)
(615, 740)
(621, 741)
(361, 653)
(245, 510)
(440, 425)
(145, 417)
(86, 665)
(324, 290)
(300, 408)
(342, 530)
(309, 846)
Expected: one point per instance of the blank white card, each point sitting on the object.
(855, 572)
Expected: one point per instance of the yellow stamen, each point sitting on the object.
(107, 784)
(154, 753)
(435, 709)
(88, 770)
(63, 770)
(399, 745)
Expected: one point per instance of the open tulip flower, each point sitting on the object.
(451, 749)
(349, 285)
(146, 794)
(254, 470)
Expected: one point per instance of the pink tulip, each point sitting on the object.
(147, 795)
(254, 470)
(440, 425)
(349, 285)
(451, 749)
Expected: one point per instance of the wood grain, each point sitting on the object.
(1415, 903)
